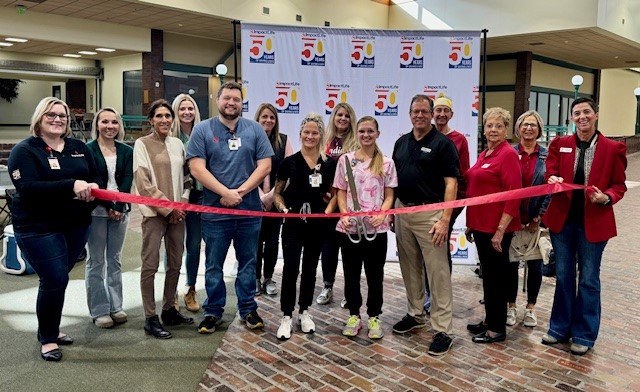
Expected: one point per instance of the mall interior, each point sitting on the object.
(126, 53)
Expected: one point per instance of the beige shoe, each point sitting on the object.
(119, 317)
(103, 321)
(190, 300)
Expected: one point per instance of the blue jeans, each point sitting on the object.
(103, 271)
(194, 238)
(52, 256)
(217, 237)
(576, 311)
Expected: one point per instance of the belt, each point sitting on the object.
(419, 203)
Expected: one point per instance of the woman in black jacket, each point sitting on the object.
(103, 277)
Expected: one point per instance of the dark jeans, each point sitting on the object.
(495, 272)
(534, 281)
(296, 236)
(373, 255)
(330, 250)
(193, 238)
(52, 256)
(268, 247)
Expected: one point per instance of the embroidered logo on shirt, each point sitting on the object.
(486, 165)
(425, 149)
(216, 139)
(77, 154)
(15, 174)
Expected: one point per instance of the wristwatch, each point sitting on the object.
(608, 201)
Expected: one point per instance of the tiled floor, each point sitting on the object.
(327, 361)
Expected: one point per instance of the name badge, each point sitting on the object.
(234, 144)
(315, 180)
(53, 163)
(425, 149)
(486, 165)
(566, 149)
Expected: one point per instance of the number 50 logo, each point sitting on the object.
(460, 55)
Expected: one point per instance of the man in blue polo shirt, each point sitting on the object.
(230, 156)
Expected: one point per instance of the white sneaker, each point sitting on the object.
(306, 323)
(103, 321)
(530, 319)
(325, 296)
(343, 303)
(511, 316)
(284, 331)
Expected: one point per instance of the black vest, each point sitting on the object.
(276, 160)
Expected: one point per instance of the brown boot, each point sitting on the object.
(190, 300)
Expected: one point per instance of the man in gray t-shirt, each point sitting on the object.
(230, 156)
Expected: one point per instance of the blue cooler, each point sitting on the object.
(11, 260)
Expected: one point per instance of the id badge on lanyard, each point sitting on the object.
(315, 179)
(53, 161)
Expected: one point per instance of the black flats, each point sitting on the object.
(64, 340)
(54, 355)
(153, 327)
(477, 328)
(485, 338)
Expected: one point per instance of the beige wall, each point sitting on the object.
(184, 49)
(29, 94)
(617, 102)
(559, 78)
(112, 85)
(503, 99)
(500, 72)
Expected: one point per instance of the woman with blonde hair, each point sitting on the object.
(364, 240)
(103, 271)
(187, 116)
(52, 234)
(341, 138)
(308, 175)
(267, 117)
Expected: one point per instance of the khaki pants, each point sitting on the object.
(416, 251)
(154, 229)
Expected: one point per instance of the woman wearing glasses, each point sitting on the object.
(51, 235)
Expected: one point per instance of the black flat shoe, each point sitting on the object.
(64, 340)
(485, 338)
(172, 317)
(477, 328)
(54, 355)
(153, 327)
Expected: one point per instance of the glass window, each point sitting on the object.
(543, 106)
(554, 109)
(533, 100)
(132, 93)
(196, 85)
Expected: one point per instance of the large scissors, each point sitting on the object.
(357, 221)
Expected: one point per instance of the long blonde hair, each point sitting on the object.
(96, 119)
(377, 161)
(175, 127)
(349, 141)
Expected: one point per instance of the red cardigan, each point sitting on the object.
(607, 173)
(498, 172)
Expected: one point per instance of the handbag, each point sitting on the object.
(524, 246)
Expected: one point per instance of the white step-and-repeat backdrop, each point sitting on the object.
(310, 69)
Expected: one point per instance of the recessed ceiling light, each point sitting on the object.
(75, 56)
(87, 52)
(11, 39)
(6, 44)
(108, 50)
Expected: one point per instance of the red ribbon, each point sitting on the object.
(539, 190)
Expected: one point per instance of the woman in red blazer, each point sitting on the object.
(581, 222)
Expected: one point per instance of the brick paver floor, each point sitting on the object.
(327, 361)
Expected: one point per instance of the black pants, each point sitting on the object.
(268, 247)
(330, 250)
(534, 281)
(495, 275)
(373, 255)
(306, 239)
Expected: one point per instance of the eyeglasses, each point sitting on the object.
(52, 116)
(529, 125)
(415, 112)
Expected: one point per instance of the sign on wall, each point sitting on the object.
(311, 69)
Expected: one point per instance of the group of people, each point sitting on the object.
(232, 162)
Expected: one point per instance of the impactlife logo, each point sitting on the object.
(313, 50)
(435, 91)
(460, 53)
(245, 98)
(411, 52)
(336, 93)
(386, 100)
(458, 245)
(261, 47)
(287, 97)
(362, 52)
